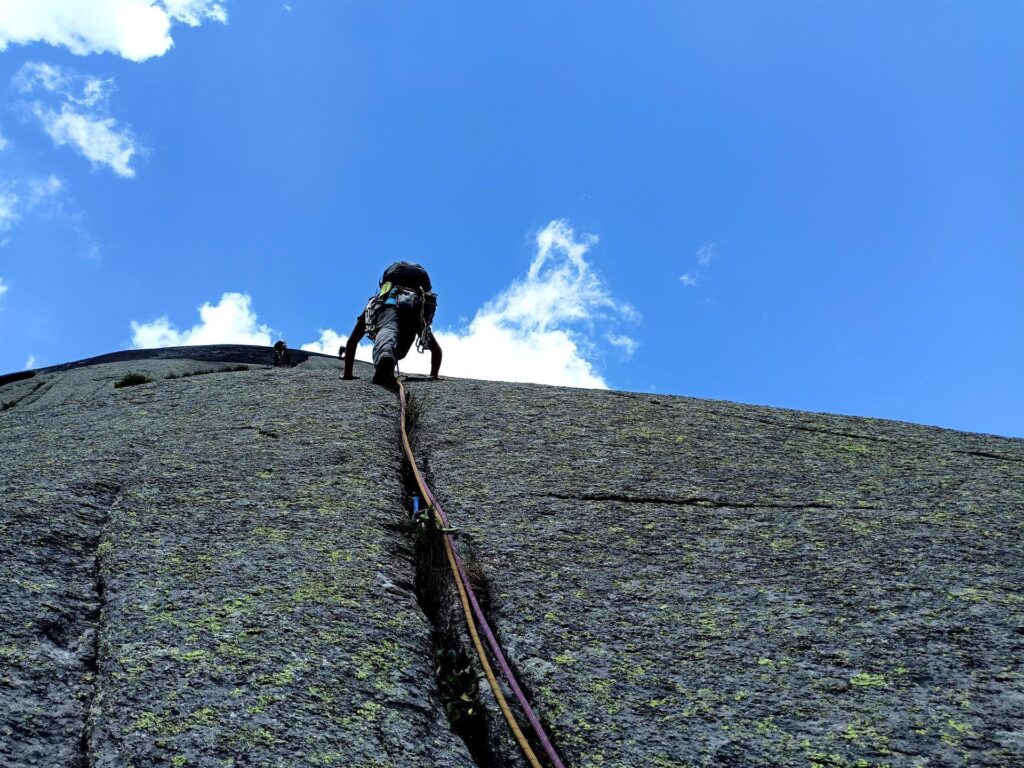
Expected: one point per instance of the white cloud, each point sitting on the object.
(195, 12)
(82, 118)
(627, 344)
(490, 350)
(133, 29)
(30, 363)
(3, 287)
(36, 74)
(331, 342)
(98, 139)
(40, 189)
(14, 204)
(231, 321)
(328, 344)
(706, 253)
(9, 204)
(41, 196)
(540, 329)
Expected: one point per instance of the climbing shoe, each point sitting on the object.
(385, 373)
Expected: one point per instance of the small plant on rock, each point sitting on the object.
(131, 379)
(457, 683)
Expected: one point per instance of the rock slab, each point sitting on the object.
(692, 583)
(209, 569)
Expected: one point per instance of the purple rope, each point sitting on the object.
(492, 641)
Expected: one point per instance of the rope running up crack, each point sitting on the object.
(475, 616)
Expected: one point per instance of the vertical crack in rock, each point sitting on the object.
(452, 656)
(88, 642)
(456, 670)
(461, 683)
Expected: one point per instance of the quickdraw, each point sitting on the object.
(423, 339)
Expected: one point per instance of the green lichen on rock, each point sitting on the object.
(216, 570)
(211, 575)
(739, 585)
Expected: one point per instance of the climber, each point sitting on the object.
(281, 354)
(402, 309)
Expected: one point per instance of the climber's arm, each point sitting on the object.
(350, 346)
(435, 356)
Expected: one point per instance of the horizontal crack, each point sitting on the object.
(696, 501)
(819, 431)
(910, 442)
(987, 455)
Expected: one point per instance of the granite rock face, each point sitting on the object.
(684, 582)
(218, 570)
(209, 571)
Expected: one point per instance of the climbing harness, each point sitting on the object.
(405, 300)
(475, 617)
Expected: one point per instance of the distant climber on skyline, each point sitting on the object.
(281, 354)
(402, 309)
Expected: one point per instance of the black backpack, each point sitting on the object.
(407, 275)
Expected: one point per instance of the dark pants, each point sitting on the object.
(396, 332)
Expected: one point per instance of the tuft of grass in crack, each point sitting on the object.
(414, 409)
(455, 671)
(477, 577)
(131, 379)
(223, 369)
(457, 684)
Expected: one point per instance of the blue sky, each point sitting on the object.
(801, 204)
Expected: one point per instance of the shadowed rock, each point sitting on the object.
(210, 353)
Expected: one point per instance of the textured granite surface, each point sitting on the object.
(217, 570)
(209, 571)
(685, 582)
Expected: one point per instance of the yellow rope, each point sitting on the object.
(466, 611)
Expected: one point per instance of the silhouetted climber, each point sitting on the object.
(401, 310)
(281, 354)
